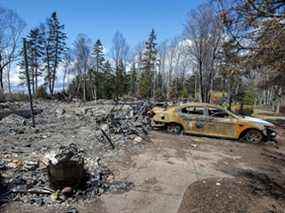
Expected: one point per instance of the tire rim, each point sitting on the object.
(174, 129)
(254, 137)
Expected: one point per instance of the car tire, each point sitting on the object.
(253, 136)
(174, 129)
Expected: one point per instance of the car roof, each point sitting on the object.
(196, 104)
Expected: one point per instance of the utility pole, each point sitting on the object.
(28, 81)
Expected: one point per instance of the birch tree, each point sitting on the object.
(10, 31)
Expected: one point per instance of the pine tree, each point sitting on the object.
(109, 80)
(149, 61)
(36, 47)
(34, 56)
(159, 92)
(121, 80)
(98, 56)
(22, 73)
(96, 76)
(55, 48)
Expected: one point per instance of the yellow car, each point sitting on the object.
(212, 120)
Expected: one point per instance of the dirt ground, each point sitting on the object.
(165, 167)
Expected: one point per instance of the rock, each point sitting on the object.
(31, 165)
(138, 139)
(110, 178)
(3, 165)
(60, 112)
(67, 191)
(15, 164)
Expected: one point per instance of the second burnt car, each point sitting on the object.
(212, 120)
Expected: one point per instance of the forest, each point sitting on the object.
(229, 52)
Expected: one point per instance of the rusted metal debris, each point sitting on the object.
(134, 121)
(66, 168)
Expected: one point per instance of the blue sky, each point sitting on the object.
(101, 18)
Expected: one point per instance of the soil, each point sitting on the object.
(225, 195)
(170, 173)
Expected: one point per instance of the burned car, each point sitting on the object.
(212, 120)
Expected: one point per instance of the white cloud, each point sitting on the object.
(14, 76)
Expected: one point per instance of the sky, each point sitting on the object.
(101, 18)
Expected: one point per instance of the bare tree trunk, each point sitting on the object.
(84, 89)
(201, 81)
(1, 79)
(8, 78)
(28, 82)
(63, 80)
(33, 82)
(36, 81)
(2, 97)
(195, 87)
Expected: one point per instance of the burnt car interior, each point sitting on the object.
(193, 110)
(217, 113)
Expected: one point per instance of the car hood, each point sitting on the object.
(258, 121)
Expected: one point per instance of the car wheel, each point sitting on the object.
(174, 129)
(253, 136)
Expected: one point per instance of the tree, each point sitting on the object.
(67, 68)
(204, 30)
(34, 56)
(10, 31)
(98, 56)
(82, 52)
(174, 64)
(120, 80)
(257, 31)
(120, 52)
(149, 62)
(133, 80)
(99, 60)
(120, 48)
(55, 48)
(108, 81)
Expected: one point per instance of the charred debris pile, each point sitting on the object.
(61, 176)
(66, 174)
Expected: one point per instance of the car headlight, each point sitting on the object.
(271, 132)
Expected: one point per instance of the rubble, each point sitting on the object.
(28, 183)
(13, 120)
(66, 167)
(103, 131)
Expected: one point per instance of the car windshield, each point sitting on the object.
(191, 110)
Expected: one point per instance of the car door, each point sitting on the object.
(220, 123)
(194, 118)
